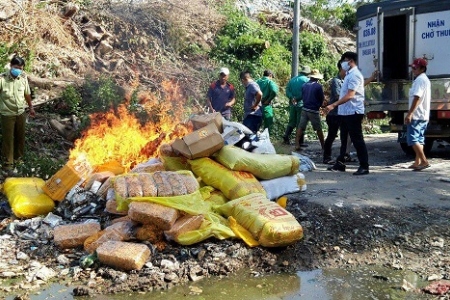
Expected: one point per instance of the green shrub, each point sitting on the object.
(72, 98)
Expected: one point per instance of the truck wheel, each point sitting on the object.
(407, 149)
(426, 148)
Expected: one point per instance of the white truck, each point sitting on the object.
(390, 35)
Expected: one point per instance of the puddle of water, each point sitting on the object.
(327, 284)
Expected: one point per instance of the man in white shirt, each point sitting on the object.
(419, 113)
(351, 110)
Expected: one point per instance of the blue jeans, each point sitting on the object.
(253, 122)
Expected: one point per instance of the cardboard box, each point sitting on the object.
(203, 120)
(66, 178)
(200, 143)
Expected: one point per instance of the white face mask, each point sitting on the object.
(345, 66)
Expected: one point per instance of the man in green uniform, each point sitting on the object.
(270, 90)
(14, 94)
(294, 94)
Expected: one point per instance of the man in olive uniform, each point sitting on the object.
(15, 93)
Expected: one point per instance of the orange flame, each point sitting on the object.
(121, 137)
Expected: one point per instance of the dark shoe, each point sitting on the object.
(361, 171)
(328, 161)
(348, 158)
(338, 166)
(286, 141)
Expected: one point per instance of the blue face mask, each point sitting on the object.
(16, 72)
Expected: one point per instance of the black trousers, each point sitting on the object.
(352, 125)
(333, 122)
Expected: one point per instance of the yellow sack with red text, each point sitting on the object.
(269, 223)
(233, 184)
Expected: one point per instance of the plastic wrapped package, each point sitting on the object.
(74, 235)
(100, 177)
(123, 255)
(26, 197)
(151, 213)
(150, 166)
(104, 187)
(119, 231)
(183, 225)
(148, 185)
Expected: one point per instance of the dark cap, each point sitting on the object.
(419, 62)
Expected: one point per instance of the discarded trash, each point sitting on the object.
(306, 164)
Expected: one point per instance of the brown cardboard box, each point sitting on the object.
(200, 143)
(66, 178)
(203, 120)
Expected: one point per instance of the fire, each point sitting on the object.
(119, 137)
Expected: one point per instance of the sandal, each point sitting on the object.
(413, 166)
(420, 168)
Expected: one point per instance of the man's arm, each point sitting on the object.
(350, 94)
(258, 97)
(371, 78)
(414, 105)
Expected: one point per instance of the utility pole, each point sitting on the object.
(295, 38)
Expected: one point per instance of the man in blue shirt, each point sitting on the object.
(221, 95)
(351, 111)
(252, 102)
(294, 94)
(313, 99)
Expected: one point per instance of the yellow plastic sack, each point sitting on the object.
(214, 225)
(26, 198)
(242, 233)
(212, 195)
(269, 223)
(175, 163)
(263, 166)
(233, 184)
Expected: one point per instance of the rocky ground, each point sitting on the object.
(379, 219)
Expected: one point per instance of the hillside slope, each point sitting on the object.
(138, 43)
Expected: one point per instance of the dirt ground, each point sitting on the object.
(394, 217)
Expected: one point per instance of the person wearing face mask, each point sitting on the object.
(15, 93)
(351, 111)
